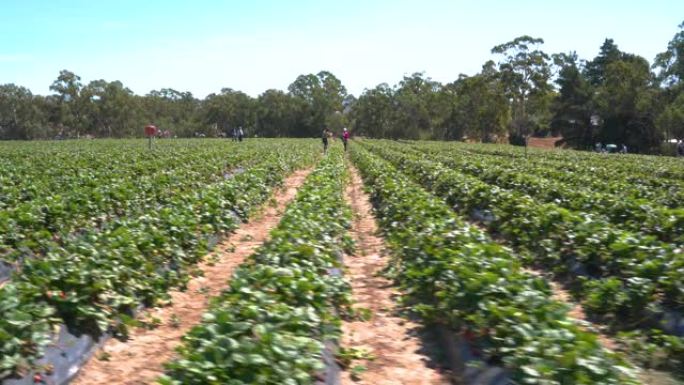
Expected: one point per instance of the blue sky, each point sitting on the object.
(202, 45)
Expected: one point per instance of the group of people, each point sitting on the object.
(238, 134)
(599, 147)
(329, 134)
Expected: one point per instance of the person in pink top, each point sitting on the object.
(345, 138)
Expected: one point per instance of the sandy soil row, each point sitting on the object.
(139, 360)
(388, 337)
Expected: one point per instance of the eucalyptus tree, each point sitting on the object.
(69, 113)
(111, 109)
(373, 113)
(574, 108)
(20, 116)
(670, 64)
(480, 110)
(228, 110)
(277, 114)
(525, 71)
(322, 95)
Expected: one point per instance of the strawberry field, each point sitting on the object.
(545, 267)
(94, 231)
(606, 228)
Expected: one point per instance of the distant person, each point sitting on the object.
(623, 149)
(234, 134)
(598, 147)
(241, 134)
(324, 137)
(680, 148)
(345, 138)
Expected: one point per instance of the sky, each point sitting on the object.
(203, 46)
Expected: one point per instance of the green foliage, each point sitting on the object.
(481, 110)
(321, 97)
(283, 303)
(646, 211)
(671, 62)
(653, 349)
(373, 113)
(21, 116)
(625, 103)
(92, 269)
(228, 110)
(671, 121)
(573, 109)
(455, 275)
(525, 71)
(622, 274)
(596, 69)
(278, 114)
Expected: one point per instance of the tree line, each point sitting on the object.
(616, 97)
(109, 109)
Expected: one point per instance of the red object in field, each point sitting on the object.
(150, 130)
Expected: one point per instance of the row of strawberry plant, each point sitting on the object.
(592, 176)
(555, 234)
(42, 223)
(99, 278)
(637, 215)
(627, 280)
(270, 325)
(652, 170)
(29, 171)
(645, 171)
(457, 276)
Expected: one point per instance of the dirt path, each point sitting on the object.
(139, 360)
(577, 313)
(389, 338)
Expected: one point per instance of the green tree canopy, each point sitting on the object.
(525, 72)
(671, 62)
(574, 107)
(322, 95)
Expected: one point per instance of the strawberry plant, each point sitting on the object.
(270, 325)
(627, 279)
(455, 275)
(95, 279)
